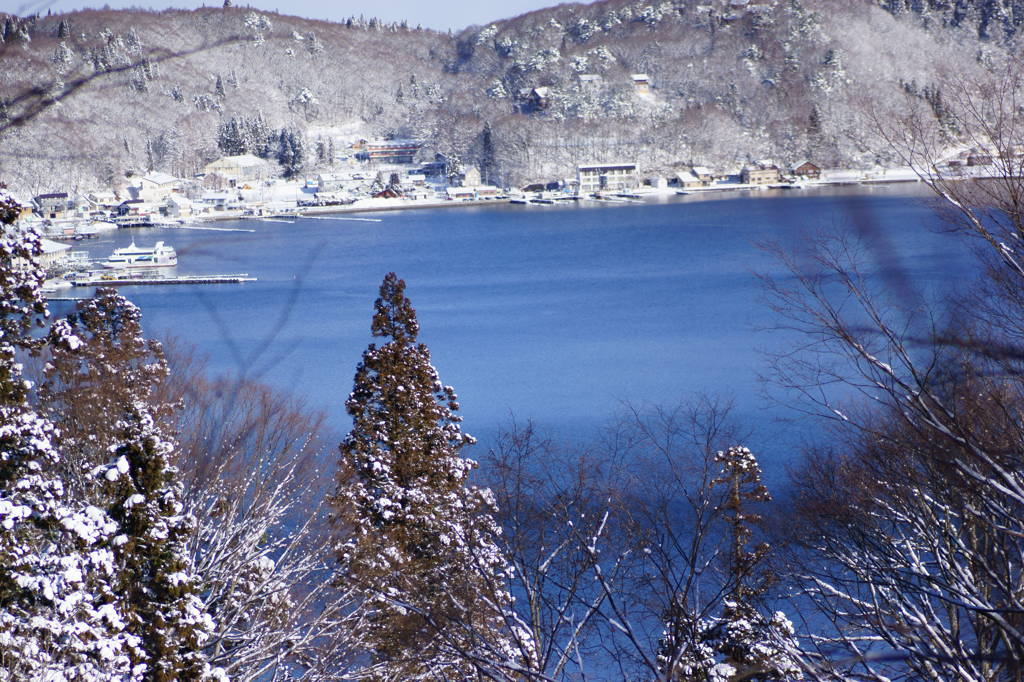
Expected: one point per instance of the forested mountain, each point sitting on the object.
(727, 81)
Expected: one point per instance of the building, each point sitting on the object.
(641, 83)
(52, 205)
(534, 99)
(471, 178)
(392, 151)
(590, 80)
(806, 169)
(53, 253)
(155, 187)
(691, 180)
(606, 177)
(760, 175)
(178, 206)
(238, 169)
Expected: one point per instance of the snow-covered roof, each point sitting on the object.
(701, 170)
(542, 91)
(159, 178)
(640, 77)
(179, 200)
(50, 246)
(241, 160)
(598, 166)
(590, 77)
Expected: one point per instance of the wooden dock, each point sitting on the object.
(121, 280)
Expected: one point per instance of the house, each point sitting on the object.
(102, 199)
(641, 83)
(238, 169)
(218, 199)
(24, 207)
(487, 191)
(461, 193)
(806, 169)
(416, 178)
(392, 151)
(589, 80)
(136, 207)
(703, 173)
(760, 175)
(329, 182)
(471, 178)
(690, 180)
(52, 205)
(534, 99)
(387, 193)
(155, 187)
(53, 253)
(606, 177)
(178, 206)
(979, 159)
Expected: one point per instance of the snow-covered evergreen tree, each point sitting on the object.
(58, 614)
(741, 643)
(112, 364)
(417, 541)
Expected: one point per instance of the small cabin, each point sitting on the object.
(806, 169)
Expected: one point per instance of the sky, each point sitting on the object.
(436, 14)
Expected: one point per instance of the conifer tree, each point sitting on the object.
(740, 643)
(418, 542)
(114, 370)
(58, 615)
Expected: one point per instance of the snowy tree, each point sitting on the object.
(740, 642)
(417, 542)
(58, 613)
(111, 365)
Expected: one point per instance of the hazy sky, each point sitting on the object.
(439, 14)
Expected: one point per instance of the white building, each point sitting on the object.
(155, 187)
(178, 206)
(238, 169)
(606, 177)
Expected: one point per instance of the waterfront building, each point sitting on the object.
(760, 175)
(607, 176)
(155, 187)
(238, 169)
(806, 169)
(392, 151)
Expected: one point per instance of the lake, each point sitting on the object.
(556, 314)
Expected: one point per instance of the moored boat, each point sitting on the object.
(160, 255)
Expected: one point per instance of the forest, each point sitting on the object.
(729, 81)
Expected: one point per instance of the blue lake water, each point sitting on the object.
(558, 314)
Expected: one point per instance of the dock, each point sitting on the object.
(121, 280)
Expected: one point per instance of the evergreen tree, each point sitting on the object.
(218, 88)
(118, 370)
(487, 159)
(58, 613)
(63, 29)
(418, 542)
(740, 643)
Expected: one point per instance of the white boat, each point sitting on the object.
(133, 256)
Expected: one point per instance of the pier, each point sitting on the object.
(120, 280)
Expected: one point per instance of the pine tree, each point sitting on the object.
(58, 613)
(118, 369)
(418, 544)
(487, 160)
(740, 643)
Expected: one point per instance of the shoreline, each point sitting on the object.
(401, 205)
